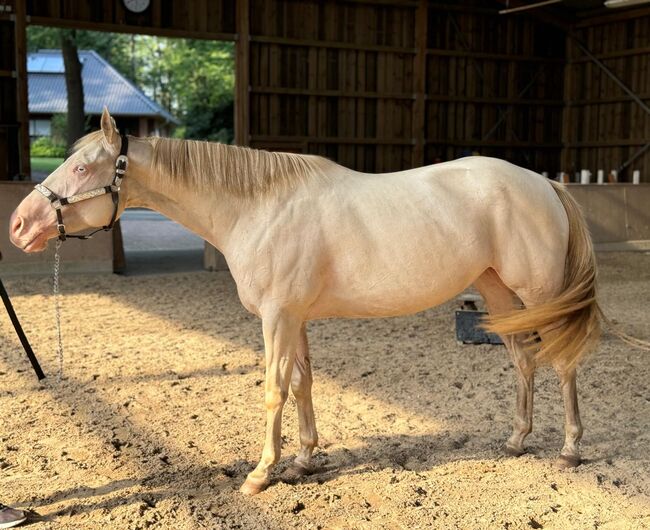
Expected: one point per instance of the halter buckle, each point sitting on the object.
(121, 163)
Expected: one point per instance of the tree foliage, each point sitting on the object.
(192, 79)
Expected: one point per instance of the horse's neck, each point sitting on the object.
(207, 214)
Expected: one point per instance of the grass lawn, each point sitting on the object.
(45, 164)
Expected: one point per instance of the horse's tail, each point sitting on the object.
(569, 324)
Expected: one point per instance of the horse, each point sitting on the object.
(306, 238)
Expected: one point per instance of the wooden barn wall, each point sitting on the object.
(603, 126)
(14, 122)
(393, 85)
(387, 85)
(197, 19)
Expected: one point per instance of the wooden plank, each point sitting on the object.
(22, 112)
(242, 74)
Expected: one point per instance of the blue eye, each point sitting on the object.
(80, 169)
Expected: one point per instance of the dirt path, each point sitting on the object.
(160, 417)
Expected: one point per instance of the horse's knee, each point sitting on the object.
(275, 399)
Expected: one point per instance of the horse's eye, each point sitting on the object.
(80, 169)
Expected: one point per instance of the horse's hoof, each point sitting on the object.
(513, 451)
(568, 461)
(253, 487)
(295, 472)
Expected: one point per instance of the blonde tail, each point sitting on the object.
(569, 324)
(628, 339)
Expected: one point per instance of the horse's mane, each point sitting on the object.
(239, 171)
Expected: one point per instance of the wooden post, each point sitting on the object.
(22, 111)
(242, 73)
(568, 114)
(420, 83)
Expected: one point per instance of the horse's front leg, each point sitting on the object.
(281, 336)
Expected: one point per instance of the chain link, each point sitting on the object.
(57, 306)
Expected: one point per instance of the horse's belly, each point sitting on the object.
(400, 285)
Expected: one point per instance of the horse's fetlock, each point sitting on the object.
(574, 431)
(523, 426)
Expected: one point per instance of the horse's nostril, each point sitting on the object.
(17, 225)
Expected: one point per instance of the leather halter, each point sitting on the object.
(114, 189)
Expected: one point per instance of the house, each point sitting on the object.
(134, 112)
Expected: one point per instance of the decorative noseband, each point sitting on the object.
(114, 189)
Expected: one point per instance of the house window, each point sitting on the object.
(40, 128)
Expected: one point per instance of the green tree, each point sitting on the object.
(193, 79)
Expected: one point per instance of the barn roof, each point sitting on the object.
(103, 85)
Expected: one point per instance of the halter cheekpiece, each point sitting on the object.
(58, 203)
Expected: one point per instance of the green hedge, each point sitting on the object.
(44, 146)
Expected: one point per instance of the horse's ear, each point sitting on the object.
(108, 127)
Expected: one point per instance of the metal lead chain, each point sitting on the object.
(57, 306)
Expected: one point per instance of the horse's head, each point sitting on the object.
(90, 166)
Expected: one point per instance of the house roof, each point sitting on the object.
(103, 85)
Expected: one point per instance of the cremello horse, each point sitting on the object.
(307, 239)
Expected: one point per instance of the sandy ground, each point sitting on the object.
(159, 417)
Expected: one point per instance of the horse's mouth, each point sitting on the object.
(37, 244)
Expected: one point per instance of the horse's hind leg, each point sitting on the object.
(301, 382)
(498, 299)
(570, 455)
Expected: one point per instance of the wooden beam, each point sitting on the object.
(264, 139)
(605, 100)
(568, 125)
(388, 95)
(22, 110)
(493, 56)
(613, 55)
(242, 73)
(126, 28)
(496, 100)
(328, 93)
(496, 143)
(420, 83)
(626, 14)
(624, 142)
(308, 43)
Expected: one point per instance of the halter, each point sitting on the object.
(114, 189)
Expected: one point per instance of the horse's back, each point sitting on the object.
(397, 243)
